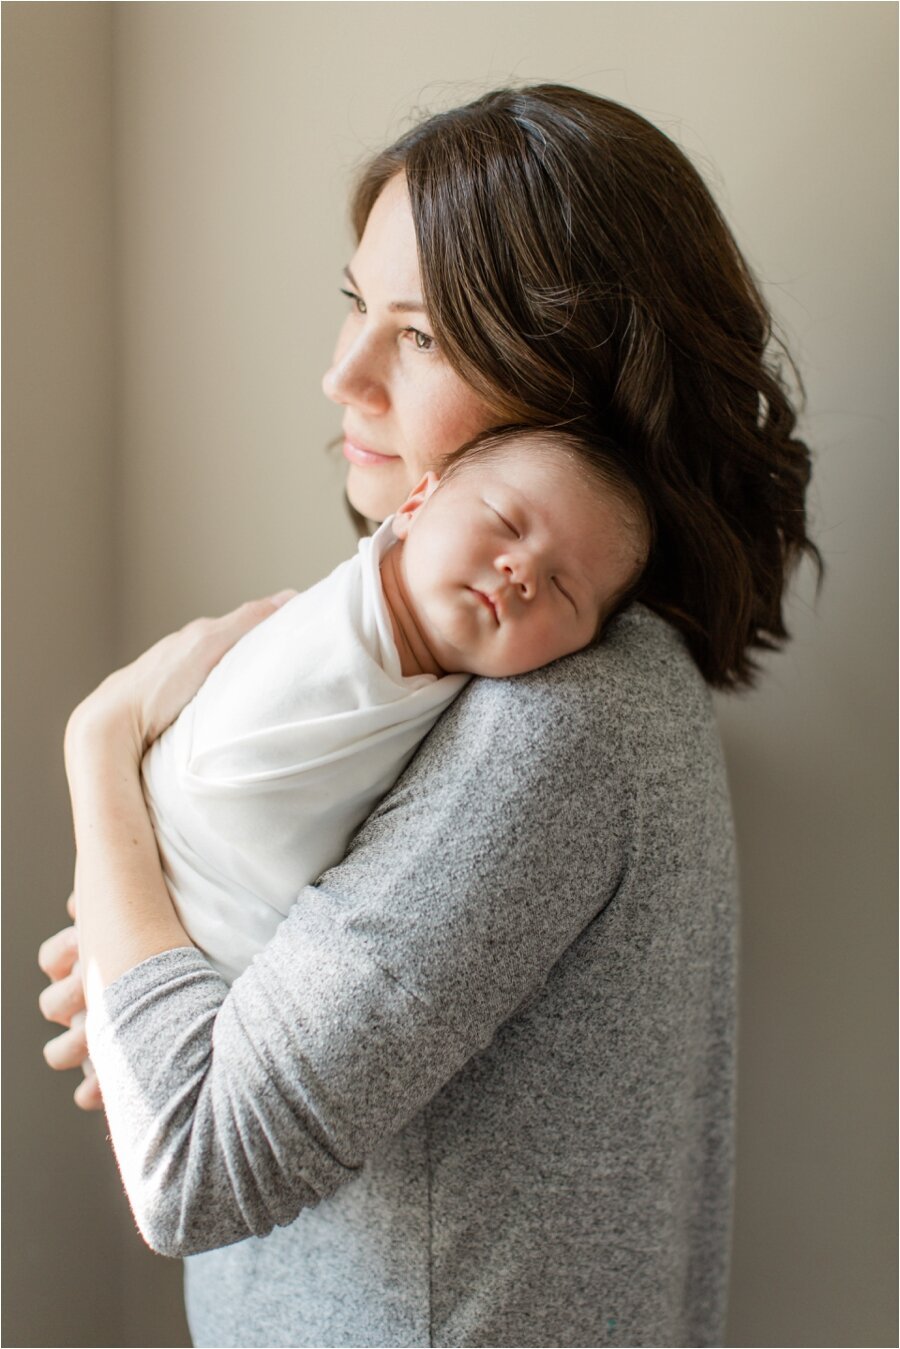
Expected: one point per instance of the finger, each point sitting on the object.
(267, 602)
(68, 1050)
(70, 906)
(215, 631)
(204, 641)
(87, 1095)
(58, 953)
(247, 615)
(216, 636)
(60, 1001)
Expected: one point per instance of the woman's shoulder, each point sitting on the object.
(632, 707)
(640, 671)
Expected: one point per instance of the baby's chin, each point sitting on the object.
(509, 666)
(498, 668)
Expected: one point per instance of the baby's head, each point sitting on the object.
(520, 552)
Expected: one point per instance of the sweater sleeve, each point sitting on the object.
(231, 1111)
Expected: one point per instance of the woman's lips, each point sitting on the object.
(360, 454)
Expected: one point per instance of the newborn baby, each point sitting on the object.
(517, 555)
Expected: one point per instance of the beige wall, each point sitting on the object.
(175, 183)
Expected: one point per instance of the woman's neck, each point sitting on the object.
(415, 655)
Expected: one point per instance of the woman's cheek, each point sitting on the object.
(448, 417)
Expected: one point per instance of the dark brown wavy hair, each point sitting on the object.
(578, 273)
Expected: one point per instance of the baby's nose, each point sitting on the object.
(519, 574)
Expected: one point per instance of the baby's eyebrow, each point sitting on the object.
(395, 306)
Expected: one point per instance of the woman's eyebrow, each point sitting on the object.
(396, 306)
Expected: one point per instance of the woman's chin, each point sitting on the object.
(375, 493)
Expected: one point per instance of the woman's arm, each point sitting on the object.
(232, 1111)
(125, 913)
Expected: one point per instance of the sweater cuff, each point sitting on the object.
(180, 965)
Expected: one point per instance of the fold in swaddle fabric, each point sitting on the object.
(257, 787)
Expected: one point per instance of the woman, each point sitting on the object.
(478, 1089)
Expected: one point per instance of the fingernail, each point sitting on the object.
(282, 597)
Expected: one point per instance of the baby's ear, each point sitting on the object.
(404, 515)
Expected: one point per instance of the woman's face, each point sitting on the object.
(406, 409)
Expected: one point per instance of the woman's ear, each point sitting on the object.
(404, 515)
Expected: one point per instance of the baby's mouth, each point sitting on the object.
(486, 600)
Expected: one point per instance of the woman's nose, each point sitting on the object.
(519, 573)
(353, 379)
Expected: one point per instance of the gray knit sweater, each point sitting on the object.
(478, 1089)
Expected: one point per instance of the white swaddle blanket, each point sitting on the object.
(256, 788)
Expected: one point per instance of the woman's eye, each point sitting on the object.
(421, 341)
(358, 302)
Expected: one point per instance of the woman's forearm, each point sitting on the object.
(125, 912)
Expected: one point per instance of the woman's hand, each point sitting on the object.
(143, 698)
(63, 1003)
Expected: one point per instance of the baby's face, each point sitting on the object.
(511, 563)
